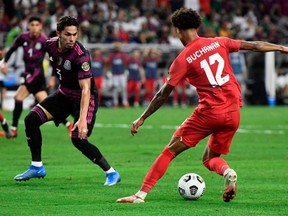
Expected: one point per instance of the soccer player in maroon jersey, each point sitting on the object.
(76, 96)
(204, 63)
(33, 78)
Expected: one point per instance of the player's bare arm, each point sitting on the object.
(261, 46)
(81, 124)
(158, 100)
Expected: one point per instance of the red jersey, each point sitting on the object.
(205, 64)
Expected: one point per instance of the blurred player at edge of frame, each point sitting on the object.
(205, 64)
(76, 96)
(33, 78)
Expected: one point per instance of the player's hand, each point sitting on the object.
(135, 125)
(82, 129)
(285, 50)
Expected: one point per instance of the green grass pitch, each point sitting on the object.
(74, 186)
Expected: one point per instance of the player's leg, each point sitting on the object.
(94, 154)
(40, 96)
(4, 126)
(87, 148)
(115, 89)
(129, 88)
(157, 170)
(219, 143)
(21, 94)
(123, 89)
(46, 110)
(37, 116)
(215, 163)
(137, 90)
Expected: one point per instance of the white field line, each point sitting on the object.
(279, 129)
(173, 127)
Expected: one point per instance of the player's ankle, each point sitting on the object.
(141, 194)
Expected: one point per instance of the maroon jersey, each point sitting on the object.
(70, 67)
(34, 51)
(205, 64)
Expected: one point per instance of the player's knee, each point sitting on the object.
(33, 120)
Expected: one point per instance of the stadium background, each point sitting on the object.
(145, 24)
(74, 187)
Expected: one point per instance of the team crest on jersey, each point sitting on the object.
(85, 66)
(38, 46)
(25, 43)
(67, 65)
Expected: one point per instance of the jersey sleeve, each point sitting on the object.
(177, 72)
(230, 44)
(16, 44)
(83, 64)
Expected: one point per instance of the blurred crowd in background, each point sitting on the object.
(143, 24)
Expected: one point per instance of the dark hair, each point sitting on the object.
(186, 18)
(66, 21)
(34, 18)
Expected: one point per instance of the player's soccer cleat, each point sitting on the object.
(130, 199)
(112, 178)
(31, 172)
(13, 133)
(230, 184)
(6, 130)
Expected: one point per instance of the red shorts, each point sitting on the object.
(98, 82)
(221, 127)
(134, 86)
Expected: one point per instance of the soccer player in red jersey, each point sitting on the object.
(76, 96)
(204, 63)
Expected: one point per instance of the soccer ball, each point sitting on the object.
(191, 186)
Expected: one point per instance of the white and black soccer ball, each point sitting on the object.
(191, 186)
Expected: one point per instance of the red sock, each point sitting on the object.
(157, 170)
(1, 117)
(216, 164)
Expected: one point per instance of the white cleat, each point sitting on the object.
(130, 199)
(230, 185)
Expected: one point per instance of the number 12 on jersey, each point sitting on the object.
(216, 80)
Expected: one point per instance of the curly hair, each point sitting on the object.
(65, 21)
(186, 18)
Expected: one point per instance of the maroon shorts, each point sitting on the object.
(221, 127)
